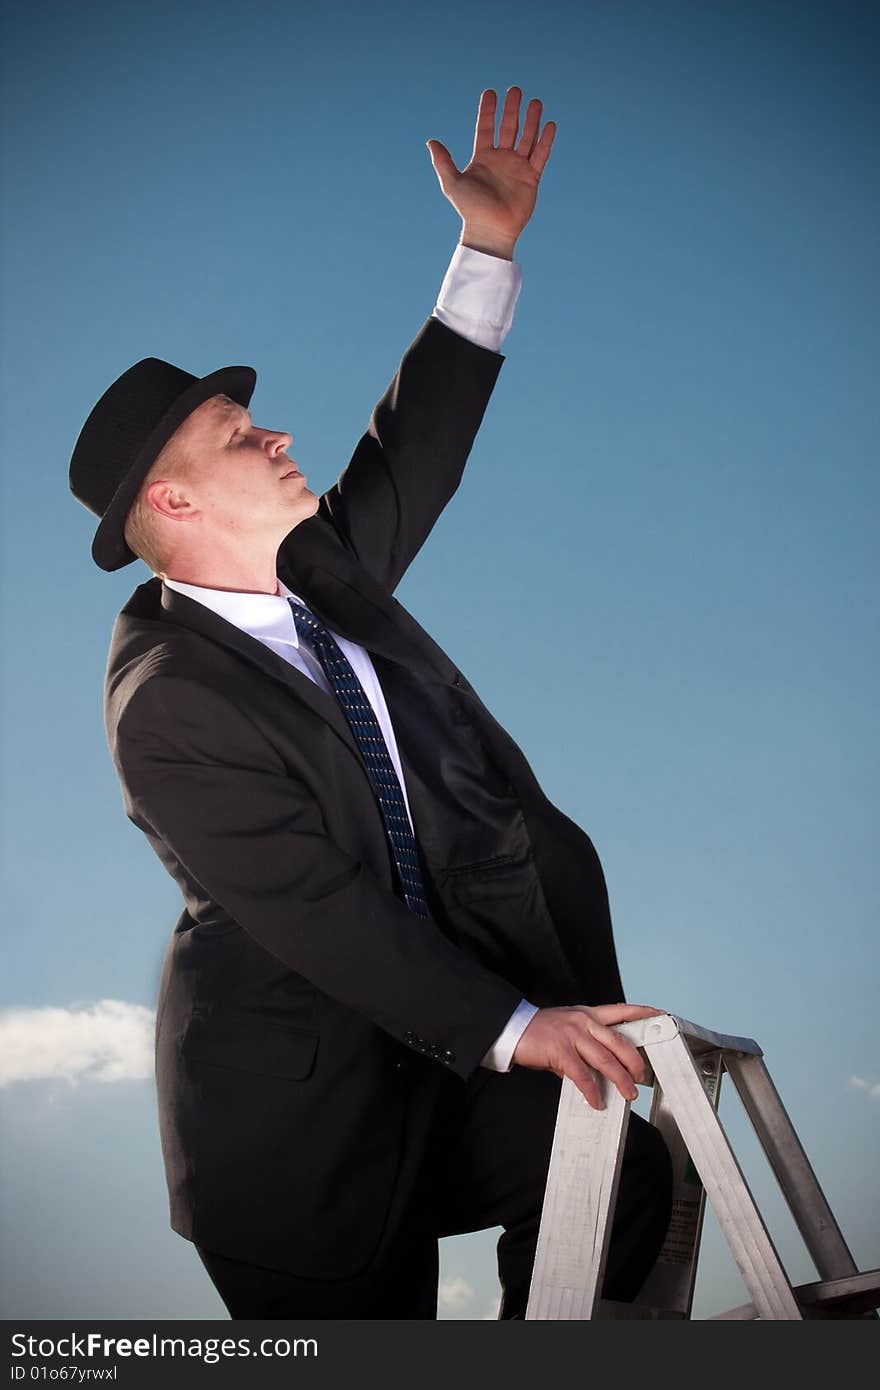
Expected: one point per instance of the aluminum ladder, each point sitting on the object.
(684, 1065)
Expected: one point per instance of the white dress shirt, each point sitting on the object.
(477, 300)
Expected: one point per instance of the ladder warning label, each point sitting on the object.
(678, 1248)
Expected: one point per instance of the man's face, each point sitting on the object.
(239, 478)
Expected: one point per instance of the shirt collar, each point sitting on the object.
(262, 615)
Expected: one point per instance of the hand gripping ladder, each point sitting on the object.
(684, 1065)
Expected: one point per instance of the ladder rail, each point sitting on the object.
(580, 1196)
(722, 1177)
(660, 1026)
(670, 1283)
(793, 1170)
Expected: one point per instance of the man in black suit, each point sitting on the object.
(376, 984)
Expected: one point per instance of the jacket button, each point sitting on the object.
(448, 1056)
(409, 1036)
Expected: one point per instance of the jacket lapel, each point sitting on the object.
(380, 624)
(349, 602)
(186, 612)
(315, 563)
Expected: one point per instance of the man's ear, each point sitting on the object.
(168, 498)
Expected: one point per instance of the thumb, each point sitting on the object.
(444, 165)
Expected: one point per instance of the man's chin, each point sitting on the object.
(307, 503)
(302, 498)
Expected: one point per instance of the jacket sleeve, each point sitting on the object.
(198, 774)
(409, 462)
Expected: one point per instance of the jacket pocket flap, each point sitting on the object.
(269, 1051)
(502, 876)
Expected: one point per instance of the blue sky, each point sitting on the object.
(675, 486)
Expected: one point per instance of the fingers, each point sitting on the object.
(509, 118)
(620, 1013)
(484, 137)
(628, 1058)
(541, 153)
(530, 128)
(592, 1057)
(617, 1057)
(587, 1083)
(444, 165)
(602, 1016)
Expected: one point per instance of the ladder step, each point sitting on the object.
(825, 1298)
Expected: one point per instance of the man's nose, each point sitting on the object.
(278, 443)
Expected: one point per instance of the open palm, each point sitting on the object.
(497, 190)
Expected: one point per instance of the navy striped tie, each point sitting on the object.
(373, 749)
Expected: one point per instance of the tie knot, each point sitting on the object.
(303, 618)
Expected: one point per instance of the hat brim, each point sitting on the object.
(109, 549)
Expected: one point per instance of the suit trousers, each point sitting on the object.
(477, 1157)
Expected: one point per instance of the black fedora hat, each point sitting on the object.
(125, 433)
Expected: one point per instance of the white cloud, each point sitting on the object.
(454, 1294)
(872, 1087)
(106, 1041)
(492, 1308)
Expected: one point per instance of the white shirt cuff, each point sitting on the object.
(500, 1054)
(478, 296)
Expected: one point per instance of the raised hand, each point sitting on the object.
(495, 194)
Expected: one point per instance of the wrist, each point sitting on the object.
(492, 243)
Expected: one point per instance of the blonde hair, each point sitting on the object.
(143, 528)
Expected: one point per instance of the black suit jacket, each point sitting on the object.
(301, 1001)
